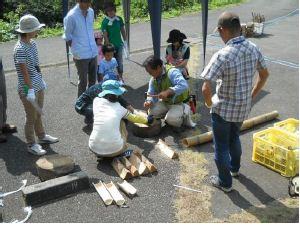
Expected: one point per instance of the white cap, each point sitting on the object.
(28, 24)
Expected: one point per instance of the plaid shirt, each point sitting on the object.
(233, 68)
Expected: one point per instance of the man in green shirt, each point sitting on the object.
(113, 27)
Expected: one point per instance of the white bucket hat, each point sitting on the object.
(28, 24)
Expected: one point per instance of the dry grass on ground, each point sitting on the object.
(193, 207)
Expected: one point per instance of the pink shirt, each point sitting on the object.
(100, 54)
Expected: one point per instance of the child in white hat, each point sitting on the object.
(31, 85)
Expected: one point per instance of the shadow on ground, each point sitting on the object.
(263, 214)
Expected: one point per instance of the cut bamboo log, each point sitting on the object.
(127, 188)
(115, 194)
(120, 169)
(149, 165)
(247, 124)
(137, 163)
(164, 148)
(103, 192)
(134, 172)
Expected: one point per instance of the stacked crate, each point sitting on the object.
(278, 147)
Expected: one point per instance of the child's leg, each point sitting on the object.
(99, 77)
(38, 124)
(30, 119)
(119, 57)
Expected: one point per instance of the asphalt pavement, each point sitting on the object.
(156, 193)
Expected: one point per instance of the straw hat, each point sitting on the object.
(28, 24)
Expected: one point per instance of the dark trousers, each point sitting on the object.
(87, 71)
(228, 148)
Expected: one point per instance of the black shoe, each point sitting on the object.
(88, 121)
(8, 128)
(3, 138)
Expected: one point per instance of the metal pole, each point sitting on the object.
(204, 6)
(126, 10)
(155, 10)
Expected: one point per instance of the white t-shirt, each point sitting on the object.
(106, 138)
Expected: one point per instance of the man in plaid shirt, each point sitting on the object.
(233, 69)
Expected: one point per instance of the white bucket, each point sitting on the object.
(258, 28)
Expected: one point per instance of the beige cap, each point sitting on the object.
(28, 24)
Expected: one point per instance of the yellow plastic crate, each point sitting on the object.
(277, 150)
(291, 126)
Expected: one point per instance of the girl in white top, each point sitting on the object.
(109, 135)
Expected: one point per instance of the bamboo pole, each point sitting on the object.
(127, 188)
(137, 163)
(103, 192)
(115, 194)
(120, 169)
(134, 172)
(149, 165)
(164, 148)
(247, 124)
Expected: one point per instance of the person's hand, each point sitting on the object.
(214, 101)
(44, 83)
(130, 108)
(150, 119)
(69, 43)
(147, 104)
(164, 94)
(30, 95)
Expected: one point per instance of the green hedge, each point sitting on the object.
(50, 12)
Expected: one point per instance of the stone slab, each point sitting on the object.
(55, 188)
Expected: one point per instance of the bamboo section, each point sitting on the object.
(247, 124)
(115, 194)
(120, 169)
(164, 148)
(103, 192)
(134, 172)
(137, 163)
(127, 188)
(149, 165)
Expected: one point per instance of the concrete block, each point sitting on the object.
(53, 166)
(55, 188)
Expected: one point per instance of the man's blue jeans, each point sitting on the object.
(228, 148)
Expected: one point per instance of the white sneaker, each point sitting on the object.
(234, 174)
(48, 140)
(36, 149)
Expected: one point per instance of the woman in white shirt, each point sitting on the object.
(109, 135)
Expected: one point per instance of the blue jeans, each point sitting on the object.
(228, 149)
